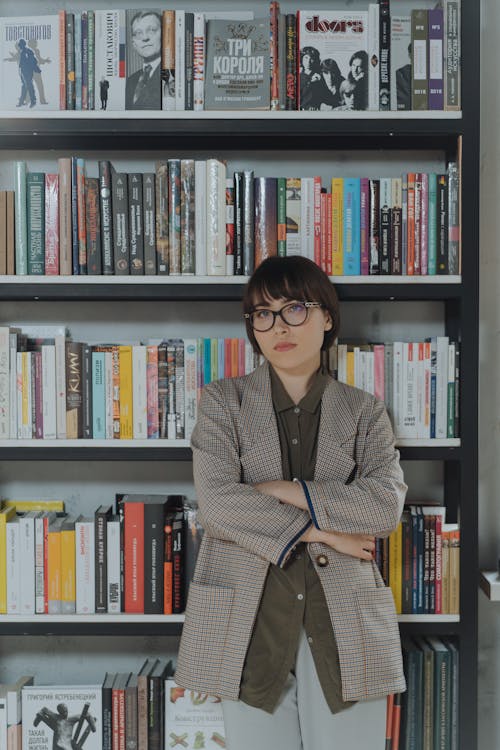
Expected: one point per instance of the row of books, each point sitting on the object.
(429, 713)
(190, 217)
(54, 388)
(418, 381)
(420, 561)
(134, 556)
(183, 60)
(142, 708)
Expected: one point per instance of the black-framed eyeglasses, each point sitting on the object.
(293, 314)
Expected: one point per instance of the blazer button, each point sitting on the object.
(322, 561)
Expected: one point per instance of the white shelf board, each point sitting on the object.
(118, 618)
(428, 618)
(179, 280)
(489, 581)
(40, 114)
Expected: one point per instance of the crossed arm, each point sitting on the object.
(269, 518)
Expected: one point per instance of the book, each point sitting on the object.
(400, 62)
(53, 712)
(237, 64)
(143, 59)
(29, 62)
(195, 718)
(110, 59)
(334, 42)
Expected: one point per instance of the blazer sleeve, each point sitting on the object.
(229, 509)
(373, 502)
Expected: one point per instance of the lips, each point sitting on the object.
(284, 347)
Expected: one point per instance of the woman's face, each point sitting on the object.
(294, 349)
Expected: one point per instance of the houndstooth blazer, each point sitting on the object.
(358, 487)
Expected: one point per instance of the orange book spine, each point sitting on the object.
(168, 572)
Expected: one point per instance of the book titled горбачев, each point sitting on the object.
(62, 716)
(237, 64)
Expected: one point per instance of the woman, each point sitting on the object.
(288, 619)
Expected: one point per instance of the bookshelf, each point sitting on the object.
(454, 303)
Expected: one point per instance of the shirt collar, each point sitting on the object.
(309, 403)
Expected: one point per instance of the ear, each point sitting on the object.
(328, 323)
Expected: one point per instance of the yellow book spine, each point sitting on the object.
(54, 570)
(445, 572)
(396, 567)
(126, 398)
(350, 368)
(26, 505)
(337, 226)
(5, 515)
(68, 571)
(454, 565)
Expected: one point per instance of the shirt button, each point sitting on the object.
(296, 410)
(322, 561)
(300, 597)
(294, 441)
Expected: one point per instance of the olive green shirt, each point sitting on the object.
(293, 597)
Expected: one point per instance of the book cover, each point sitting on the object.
(193, 718)
(51, 715)
(237, 65)
(400, 62)
(333, 65)
(29, 62)
(143, 58)
(110, 59)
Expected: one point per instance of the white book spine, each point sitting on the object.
(450, 410)
(139, 393)
(13, 567)
(180, 54)
(307, 217)
(200, 216)
(3, 721)
(39, 567)
(216, 218)
(108, 385)
(357, 367)
(113, 560)
(397, 367)
(13, 385)
(4, 383)
(373, 56)
(441, 386)
(190, 388)
(342, 363)
(199, 62)
(27, 555)
(85, 567)
(61, 386)
(370, 372)
(410, 392)
(249, 363)
(49, 391)
(19, 394)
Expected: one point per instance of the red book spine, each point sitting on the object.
(227, 358)
(121, 720)
(115, 720)
(134, 557)
(438, 582)
(51, 224)
(396, 721)
(388, 722)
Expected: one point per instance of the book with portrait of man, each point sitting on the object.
(333, 60)
(62, 716)
(29, 62)
(143, 59)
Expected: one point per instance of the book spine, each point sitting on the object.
(248, 223)
(77, 41)
(281, 217)
(265, 195)
(453, 219)
(85, 566)
(62, 59)
(178, 543)
(238, 223)
(39, 572)
(442, 224)
(119, 202)
(424, 225)
(139, 393)
(106, 217)
(70, 60)
(180, 56)
(87, 406)
(432, 225)
(60, 342)
(54, 568)
(168, 60)
(134, 557)
(113, 565)
(153, 558)
(291, 62)
(216, 217)
(149, 223)
(136, 238)
(101, 568)
(21, 218)
(385, 55)
(68, 570)
(74, 393)
(187, 228)
(435, 64)
(51, 225)
(126, 393)
(27, 555)
(85, 61)
(188, 59)
(419, 35)
(98, 396)
(200, 216)
(35, 213)
(152, 392)
(190, 388)
(229, 227)
(162, 218)
(93, 225)
(452, 55)
(199, 62)
(91, 57)
(274, 55)
(174, 210)
(49, 409)
(374, 56)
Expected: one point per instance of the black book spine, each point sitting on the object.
(101, 561)
(248, 223)
(291, 61)
(162, 391)
(93, 219)
(188, 58)
(106, 217)
(154, 518)
(178, 594)
(385, 55)
(238, 223)
(385, 240)
(149, 223)
(107, 720)
(136, 224)
(121, 516)
(120, 223)
(396, 240)
(155, 713)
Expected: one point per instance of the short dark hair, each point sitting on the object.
(296, 278)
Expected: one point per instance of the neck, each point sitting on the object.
(297, 381)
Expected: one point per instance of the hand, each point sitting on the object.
(361, 546)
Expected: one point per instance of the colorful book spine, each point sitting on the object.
(351, 234)
(35, 214)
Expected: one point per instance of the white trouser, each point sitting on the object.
(302, 719)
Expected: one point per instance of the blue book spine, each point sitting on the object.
(352, 226)
(432, 225)
(207, 359)
(98, 395)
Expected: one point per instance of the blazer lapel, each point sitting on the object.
(337, 436)
(259, 438)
